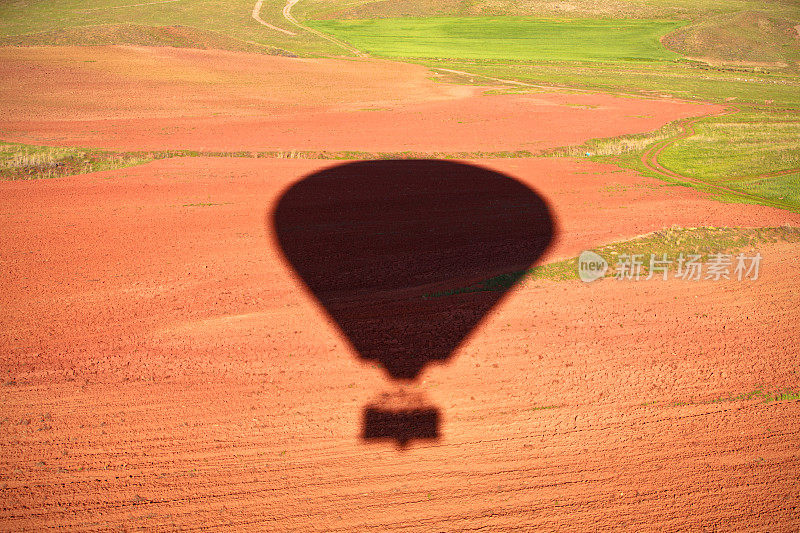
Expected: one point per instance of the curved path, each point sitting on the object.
(287, 14)
(257, 16)
(650, 160)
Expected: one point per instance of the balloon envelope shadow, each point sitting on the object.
(407, 256)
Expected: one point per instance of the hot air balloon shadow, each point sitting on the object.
(405, 255)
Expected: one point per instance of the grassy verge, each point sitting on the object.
(617, 146)
(757, 394)
(24, 162)
(670, 243)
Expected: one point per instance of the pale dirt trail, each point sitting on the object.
(256, 15)
(287, 13)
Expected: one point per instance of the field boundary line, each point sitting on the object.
(257, 17)
(559, 87)
(501, 80)
(287, 14)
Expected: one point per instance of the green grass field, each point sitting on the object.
(737, 150)
(510, 38)
(738, 147)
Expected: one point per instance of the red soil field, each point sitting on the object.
(138, 99)
(163, 368)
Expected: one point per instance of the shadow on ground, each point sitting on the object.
(376, 241)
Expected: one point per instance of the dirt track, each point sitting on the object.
(650, 160)
(164, 369)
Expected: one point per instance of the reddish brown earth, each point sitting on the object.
(140, 99)
(164, 369)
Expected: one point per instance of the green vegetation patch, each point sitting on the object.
(670, 242)
(24, 162)
(514, 38)
(233, 18)
(757, 394)
(737, 147)
(785, 188)
(614, 146)
(753, 151)
(647, 9)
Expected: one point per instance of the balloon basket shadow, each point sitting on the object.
(400, 417)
